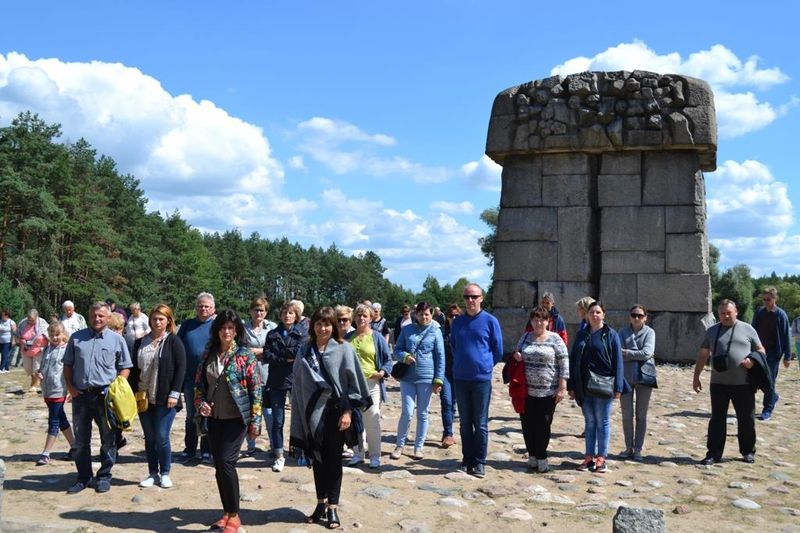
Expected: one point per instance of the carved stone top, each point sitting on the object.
(603, 112)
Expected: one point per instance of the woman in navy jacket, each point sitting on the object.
(596, 350)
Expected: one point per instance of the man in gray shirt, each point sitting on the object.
(727, 345)
(93, 359)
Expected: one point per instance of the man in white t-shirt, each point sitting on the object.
(71, 320)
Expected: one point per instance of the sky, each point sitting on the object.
(364, 123)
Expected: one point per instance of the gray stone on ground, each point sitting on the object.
(744, 503)
(517, 514)
(378, 492)
(639, 520)
(413, 526)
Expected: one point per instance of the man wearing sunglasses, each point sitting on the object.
(477, 344)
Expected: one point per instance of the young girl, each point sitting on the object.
(54, 390)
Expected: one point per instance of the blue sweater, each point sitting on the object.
(477, 343)
(427, 347)
(195, 336)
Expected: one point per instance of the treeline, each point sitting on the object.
(73, 227)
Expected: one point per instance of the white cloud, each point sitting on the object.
(737, 112)
(483, 173)
(217, 170)
(749, 216)
(344, 148)
(454, 208)
(410, 244)
(296, 162)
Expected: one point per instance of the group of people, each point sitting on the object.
(230, 373)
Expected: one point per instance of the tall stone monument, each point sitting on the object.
(603, 195)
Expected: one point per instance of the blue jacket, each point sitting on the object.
(383, 357)
(427, 347)
(784, 336)
(477, 343)
(582, 359)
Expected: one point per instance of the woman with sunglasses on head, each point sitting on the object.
(596, 379)
(228, 393)
(329, 385)
(638, 347)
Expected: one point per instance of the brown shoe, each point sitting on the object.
(448, 441)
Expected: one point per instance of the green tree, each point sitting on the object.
(737, 284)
(487, 242)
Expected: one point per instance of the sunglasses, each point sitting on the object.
(471, 296)
(637, 315)
(344, 320)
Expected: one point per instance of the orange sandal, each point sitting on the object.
(233, 525)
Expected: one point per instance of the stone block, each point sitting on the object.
(639, 520)
(566, 163)
(632, 262)
(627, 229)
(527, 224)
(619, 189)
(566, 294)
(678, 335)
(566, 190)
(621, 163)
(618, 291)
(687, 253)
(688, 293)
(514, 294)
(685, 219)
(512, 324)
(522, 182)
(618, 318)
(533, 260)
(576, 244)
(672, 178)
(499, 141)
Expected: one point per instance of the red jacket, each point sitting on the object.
(517, 384)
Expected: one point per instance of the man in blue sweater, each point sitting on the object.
(772, 325)
(195, 334)
(477, 344)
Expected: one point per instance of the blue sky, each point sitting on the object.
(364, 123)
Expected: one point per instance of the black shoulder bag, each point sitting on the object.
(399, 369)
(720, 361)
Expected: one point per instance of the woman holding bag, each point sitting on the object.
(421, 347)
(596, 378)
(638, 347)
(159, 363)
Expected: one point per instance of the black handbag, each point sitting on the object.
(647, 374)
(600, 386)
(200, 421)
(399, 370)
(719, 362)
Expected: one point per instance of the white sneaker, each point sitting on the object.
(396, 453)
(374, 463)
(149, 481)
(356, 460)
(166, 482)
(277, 466)
(542, 466)
(532, 463)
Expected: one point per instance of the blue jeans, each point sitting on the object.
(156, 425)
(412, 394)
(190, 439)
(771, 397)
(473, 398)
(597, 416)
(266, 416)
(56, 418)
(5, 355)
(277, 402)
(89, 407)
(448, 408)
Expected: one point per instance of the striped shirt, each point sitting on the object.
(545, 363)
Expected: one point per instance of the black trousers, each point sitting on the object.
(744, 404)
(225, 439)
(328, 473)
(536, 422)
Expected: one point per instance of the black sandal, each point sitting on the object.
(319, 512)
(333, 518)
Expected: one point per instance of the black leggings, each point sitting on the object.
(328, 474)
(536, 422)
(225, 439)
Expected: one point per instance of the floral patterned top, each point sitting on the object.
(244, 383)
